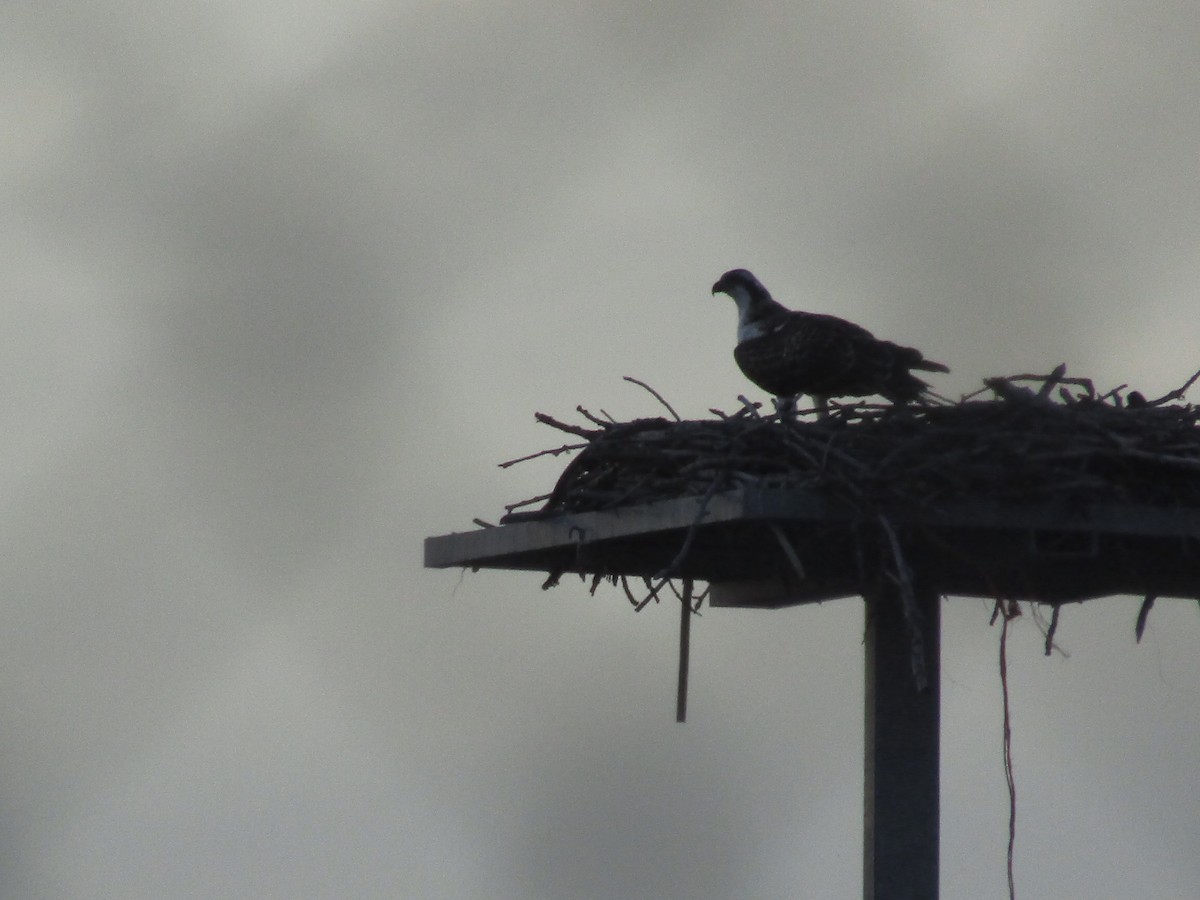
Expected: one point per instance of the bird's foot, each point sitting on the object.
(785, 409)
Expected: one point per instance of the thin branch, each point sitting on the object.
(564, 426)
(556, 451)
(538, 499)
(1176, 394)
(603, 423)
(749, 407)
(657, 396)
(1052, 379)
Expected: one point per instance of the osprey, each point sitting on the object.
(787, 352)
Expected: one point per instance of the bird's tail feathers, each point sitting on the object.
(928, 365)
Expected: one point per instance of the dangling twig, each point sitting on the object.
(653, 590)
(1143, 613)
(1053, 628)
(685, 636)
(628, 593)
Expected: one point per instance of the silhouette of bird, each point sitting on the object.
(787, 352)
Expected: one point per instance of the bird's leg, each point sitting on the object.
(822, 406)
(785, 408)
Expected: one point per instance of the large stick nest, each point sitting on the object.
(1035, 437)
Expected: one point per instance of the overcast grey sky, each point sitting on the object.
(286, 281)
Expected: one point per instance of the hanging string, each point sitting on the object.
(1008, 612)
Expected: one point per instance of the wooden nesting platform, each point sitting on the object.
(772, 547)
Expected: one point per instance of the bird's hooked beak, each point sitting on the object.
(734, 283)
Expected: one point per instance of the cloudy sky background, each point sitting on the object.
(286, 281)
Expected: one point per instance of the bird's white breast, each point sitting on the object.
(749, 330)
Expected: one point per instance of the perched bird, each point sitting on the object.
(787, 352)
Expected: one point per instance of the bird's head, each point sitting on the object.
(742, 286)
